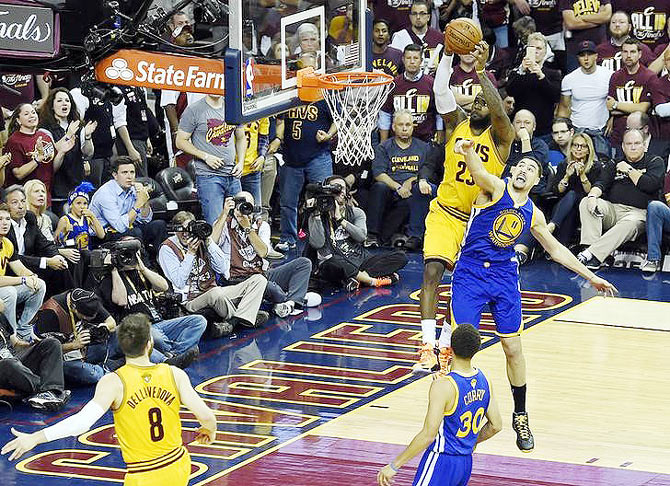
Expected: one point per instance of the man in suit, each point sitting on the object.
(36, 252)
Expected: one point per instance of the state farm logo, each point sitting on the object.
(119, 70)
(162, 71)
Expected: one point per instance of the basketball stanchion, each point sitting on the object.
(354, 100)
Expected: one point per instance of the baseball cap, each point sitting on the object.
(85, 302)
(586, 46)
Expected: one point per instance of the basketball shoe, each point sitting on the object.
(524, 437)
(427, 360)
(444, 360)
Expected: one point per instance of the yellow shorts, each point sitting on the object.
(173, 474)
(445, 228)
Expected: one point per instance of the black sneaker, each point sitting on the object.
(220, 329)
(371, 242)
(351, 285)
(413, 244)
(261, 318)
(521, 257)
(524, 437)
(185, 359)
(591, 263)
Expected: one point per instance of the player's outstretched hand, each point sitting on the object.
(463, 145)
(205, 436)
(19, 446)
(602, 285)
(385, 476)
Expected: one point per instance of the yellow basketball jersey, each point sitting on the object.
(252, 131)
(6, 252)
(458, 190)
(147, 422)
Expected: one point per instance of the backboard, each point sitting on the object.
(270, 40)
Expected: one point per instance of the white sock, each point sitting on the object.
(445, 336)
(428, 330)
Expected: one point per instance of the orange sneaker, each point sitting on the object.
(427, 360)
(444, 360)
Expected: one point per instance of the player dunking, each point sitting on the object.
(493, 133)
(487, 271)
(457, 406)
(145, 399)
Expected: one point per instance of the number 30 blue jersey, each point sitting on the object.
(461, 425)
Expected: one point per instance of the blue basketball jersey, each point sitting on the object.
(80, 233)
(495, 227)
(461, 425)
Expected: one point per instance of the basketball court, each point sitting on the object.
(327, 397)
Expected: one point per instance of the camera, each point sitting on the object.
(325, 195)
(198, 228)
(117, 254)
(101, 92)
(243, 206)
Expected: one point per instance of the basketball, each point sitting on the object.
(462, 35)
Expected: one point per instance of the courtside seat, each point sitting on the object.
(157, 199)
(178, 186)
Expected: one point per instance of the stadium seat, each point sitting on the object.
(157, 199)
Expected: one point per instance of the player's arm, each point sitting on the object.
(560, 254)
(191, 400)
(441, 397)
(493, 423)
(501, 126)
(486, 181)
(108, 391)
(445, 102)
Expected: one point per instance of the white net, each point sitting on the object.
(354, 109)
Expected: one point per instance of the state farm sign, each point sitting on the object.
(28, 31)
(162, 71)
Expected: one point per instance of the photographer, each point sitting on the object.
(130, 287)
(122, 207)
(337, 231)
(189, 260)
(83, 326)
(245, 240)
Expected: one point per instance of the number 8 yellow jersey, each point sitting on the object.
(457, 189)
(147, 422)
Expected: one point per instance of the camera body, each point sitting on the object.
(117, 254)
(325, 195)
(243, 206)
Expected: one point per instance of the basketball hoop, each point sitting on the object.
(354, 100)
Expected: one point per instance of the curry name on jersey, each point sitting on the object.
(461, 425)
(458, 191)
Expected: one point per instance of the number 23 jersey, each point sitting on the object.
(461, 425)
(457, 189)
(147, 423)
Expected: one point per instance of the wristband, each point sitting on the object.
(392, 466)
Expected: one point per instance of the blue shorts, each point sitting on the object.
(474, 285)
(443, 470)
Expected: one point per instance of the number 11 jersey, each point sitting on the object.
(147, 423)
(457, 189)
(461, 425)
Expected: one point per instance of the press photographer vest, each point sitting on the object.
(244, 260)
(202, 277)
(66, 325)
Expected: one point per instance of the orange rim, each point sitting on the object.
(352, 79)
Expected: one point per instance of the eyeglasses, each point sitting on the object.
(417, 14)
(580, 145)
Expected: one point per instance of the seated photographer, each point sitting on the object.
(35, 369)
(337, 230)
(83, 326)
(38, 254)
(26, 288)
(131, 287)
(122, 207)
(189, 260)
(245, 240)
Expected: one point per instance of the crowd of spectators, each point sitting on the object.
(277, 222)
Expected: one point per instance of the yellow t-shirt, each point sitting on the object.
(457, 189)
(252, 131)
(6, 255)
(147, 423)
